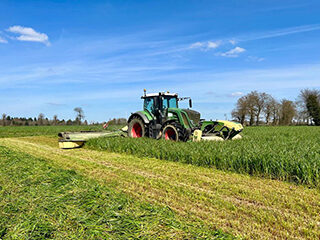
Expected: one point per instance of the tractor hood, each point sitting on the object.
(193, 115)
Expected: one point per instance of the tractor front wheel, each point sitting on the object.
(136, 128)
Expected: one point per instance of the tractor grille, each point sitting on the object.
(193, 115)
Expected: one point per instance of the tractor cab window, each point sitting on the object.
(173, 102)
(165, 103)
(169, 102)
(149, 105)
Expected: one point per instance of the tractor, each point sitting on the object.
(161, 117)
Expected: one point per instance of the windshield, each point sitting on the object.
(169, 102)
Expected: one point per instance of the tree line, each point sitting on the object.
(41, 120)
(258, 108)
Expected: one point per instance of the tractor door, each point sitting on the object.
(149, 106)
(153, 106)
(158, 109)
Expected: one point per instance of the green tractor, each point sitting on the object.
(161, 117)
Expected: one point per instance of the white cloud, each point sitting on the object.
(233, 52)
(255, 59)
(233, 42)
(29, 34)
(205, 46)
(2, 40)
(236, 94)
(196, 45)
(279, 32)
(213, 44)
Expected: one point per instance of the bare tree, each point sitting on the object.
(260, 100)
(40, 119)
(271, 108)
(251, 105)
(55, 119)
(252, 98)
(241, 110)
(4, 119)
(276, 112)
(80, 114)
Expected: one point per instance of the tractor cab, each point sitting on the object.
(157, 104)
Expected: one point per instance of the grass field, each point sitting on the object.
(41, 201)
(46, 191)
(285, 153)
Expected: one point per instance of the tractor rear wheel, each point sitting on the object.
(136, 128)
(170, 132)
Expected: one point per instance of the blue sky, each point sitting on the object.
(100, 55)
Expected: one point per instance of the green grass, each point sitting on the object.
(251, 207)
(285, 153)
(22, 131)
(40, 201)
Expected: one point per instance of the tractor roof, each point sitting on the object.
(160, 94)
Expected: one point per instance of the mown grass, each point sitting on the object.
(285, 153)
(40, 201)
(251, 207)
(21, 131)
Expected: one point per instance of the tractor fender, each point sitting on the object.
(140, 115)
(167, 122)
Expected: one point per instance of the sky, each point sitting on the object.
(100, 55)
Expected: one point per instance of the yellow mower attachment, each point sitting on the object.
(232, 125)
(196, 137)
(65, 144)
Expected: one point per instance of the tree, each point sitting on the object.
(241, 110)
(251, 105)
(80, 114)
(287, 112)
(313, 107)
(260, 100)
(55, 120)
(4, 119)
(310, 100)
(251, 100)
(271, 109)
(276, 112)
(40, 119)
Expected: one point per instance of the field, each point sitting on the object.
(142, 188)
(285, 153)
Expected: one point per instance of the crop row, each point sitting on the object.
(285, 153)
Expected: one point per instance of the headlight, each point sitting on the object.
(170, 114)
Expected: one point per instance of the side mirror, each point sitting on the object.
(190, 103)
